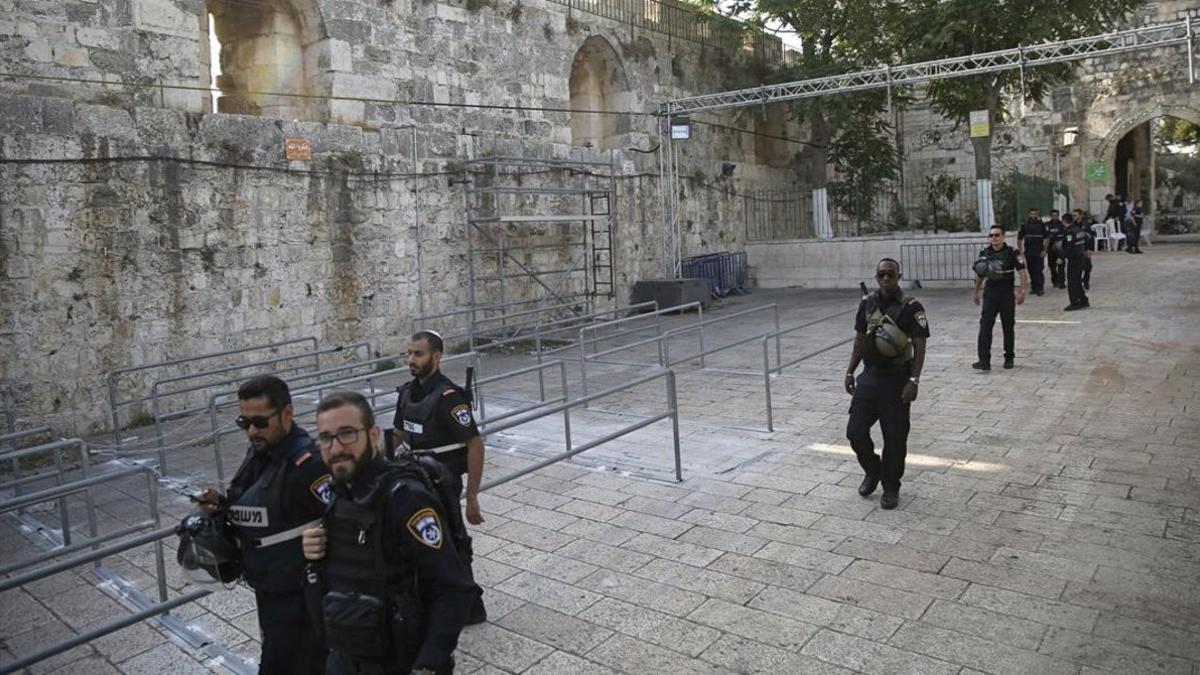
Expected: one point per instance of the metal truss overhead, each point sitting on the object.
(1145, 37)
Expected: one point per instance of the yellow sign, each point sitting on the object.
(297, 149)
(980, 127)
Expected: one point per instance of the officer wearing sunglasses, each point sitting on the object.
(281, 489)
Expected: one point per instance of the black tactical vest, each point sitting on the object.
(1035, 233)
(417, 420)
(876, 317)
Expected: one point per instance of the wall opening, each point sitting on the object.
(263, 57)
(598, 82)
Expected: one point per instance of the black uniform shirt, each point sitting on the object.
(911, 320)
(453, 419)
(414, 530)
(1011, 264)
(1054, 232)
(1076, 240)
(1032, 234)
(306, 481)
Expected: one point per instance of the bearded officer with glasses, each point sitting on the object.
(282, 488)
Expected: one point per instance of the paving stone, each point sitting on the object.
(561, 663)
(639, 591)
(161, 659)
(1109, 654)
(754, 624)
(1042, 563)
(802, 556)
(800, 536)
(501, 647)
(533, 536)
(600, 495)
(603, 555)
(600, 532)
(781, 515)
(765, 571)
(879, 598)
(680, 635)
(892, 554)
(548, 593)
(821, 612)
(1002, 577)
(739, 655)
(1154, 636)
(553, 628)
(551, 520)
(590, 510)
(661, 547)
(905, 579)
(871, 657)
(985, 624)
(1036, 609)
(859, 529)
(986, 655)
(708, 582)
(630, 655)
(723, 540)
(638, 522)
(719, 521)
(560, 567)
(655, 507)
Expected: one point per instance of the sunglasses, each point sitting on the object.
(886, 275)
(244, 423)
(995, 236)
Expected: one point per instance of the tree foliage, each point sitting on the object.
(1173, 132)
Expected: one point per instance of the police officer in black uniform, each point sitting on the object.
(1002, 263)
(1085, 222)
(281, 488)
(1031, 242)
(1054, 257)
(890, 330)
(433, 417)
(1079, 256)
(390, 587)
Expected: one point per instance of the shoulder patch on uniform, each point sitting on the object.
(921, 320)
(322, 488)
(462, 413)
(303, 458)
(426, 528)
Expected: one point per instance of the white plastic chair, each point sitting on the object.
(1098, 235)
(1115, 236)
(1147, 228)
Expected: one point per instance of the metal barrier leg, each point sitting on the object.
(562, 375)
(583, 364)
(673, 408)
(63, 512)
(158, 433)
(216, 440)
(767, 382)
(778, 342)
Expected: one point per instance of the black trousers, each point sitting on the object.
(1003, 303)
(289, 645)
(1134, 232)
(1057, 269)
(877, 398)
(1037, 277)
(1075, 267)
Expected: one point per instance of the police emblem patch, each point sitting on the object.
(462, 413)
(922, 321)
(425, 528)
(322, 488)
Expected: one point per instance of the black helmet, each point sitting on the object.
(890, 341)
(207, 542)
(992, 268)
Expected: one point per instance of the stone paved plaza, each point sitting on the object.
(1049, 519)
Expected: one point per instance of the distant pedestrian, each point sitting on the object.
(995, 270)
(1137, 215)
(1031, 244)
(1054, 257)
(1076, 247)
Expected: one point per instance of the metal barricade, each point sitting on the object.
(780, 365)
(672, 413)
(94, 556)
(115, 405)
(58, 473)
(939, 262)
(727, 273)
(156, 395)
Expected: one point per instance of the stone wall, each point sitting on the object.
(136, 225)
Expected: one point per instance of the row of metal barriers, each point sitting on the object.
(726, 273)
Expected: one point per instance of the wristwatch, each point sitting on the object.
(915, 381)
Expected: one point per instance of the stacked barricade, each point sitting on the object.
(725, 272)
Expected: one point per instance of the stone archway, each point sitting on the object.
(598, 82)
(271, 52)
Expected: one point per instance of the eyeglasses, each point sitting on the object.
(344, 436)
(886, 274)
(245, 423)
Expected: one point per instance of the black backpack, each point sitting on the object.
(441, 483)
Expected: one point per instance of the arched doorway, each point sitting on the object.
(598, 83)
(263, 57)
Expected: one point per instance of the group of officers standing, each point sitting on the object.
(353, 541)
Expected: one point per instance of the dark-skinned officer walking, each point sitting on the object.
(997, 265)
(282, 488)
(433, 417)
(387, 580)
(1031, 242)
(890, 330)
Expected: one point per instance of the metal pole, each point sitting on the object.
(216, 433)
(562, 375)
(159, 562)
(158, 430)
(701, 309)
(112, 404)
(583, 362)
(673, 409)
(64, 513)
(778, 342)
(767, 381)
(1191, 52)
(417, 220)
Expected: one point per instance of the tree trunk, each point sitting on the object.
(983, 156)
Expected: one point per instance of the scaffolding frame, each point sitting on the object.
(499, 234)
(1149, 36)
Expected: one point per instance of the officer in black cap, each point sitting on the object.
(997, 265)
(1031, 242)
(391, 590)
(890, 330)
(433, 417)
(281, 488)
(1054, 257)
(1085, 222)
(1079, 256)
